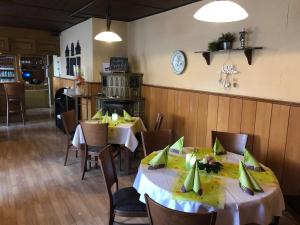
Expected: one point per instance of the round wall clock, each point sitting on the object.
(178, 62)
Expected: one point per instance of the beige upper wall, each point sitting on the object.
(93, 53)
(274, 73)
(103, 51)
(83, 33)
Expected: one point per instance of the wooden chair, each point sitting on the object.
(69, 122)
(96, 140)
(15, 95)
(159, 120)
(123, 202)
(155, 140)
(232, 142)
(161, 215)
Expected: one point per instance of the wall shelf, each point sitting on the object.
(247, 51)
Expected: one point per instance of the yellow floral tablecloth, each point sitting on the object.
(119, 132)
(221, 191)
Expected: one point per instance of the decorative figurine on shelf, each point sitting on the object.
(243, 34)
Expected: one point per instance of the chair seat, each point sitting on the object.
(94, 149)
(127, 200)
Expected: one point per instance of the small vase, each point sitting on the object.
(227, 45)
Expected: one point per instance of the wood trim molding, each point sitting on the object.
(65, 78)
(274, 101)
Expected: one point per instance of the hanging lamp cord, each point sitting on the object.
(108, 11)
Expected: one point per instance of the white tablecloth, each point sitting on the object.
(121, 134)
(240, 208)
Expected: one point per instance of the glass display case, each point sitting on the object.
(8, 68)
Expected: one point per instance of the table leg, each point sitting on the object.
(76, 108)
(82, 158)
(67, 103)
(128, 160)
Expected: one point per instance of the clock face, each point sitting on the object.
(178, 62)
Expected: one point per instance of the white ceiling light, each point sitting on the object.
(108, 36)
(221, 12)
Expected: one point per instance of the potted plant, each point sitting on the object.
(213, 46)
(226, 40)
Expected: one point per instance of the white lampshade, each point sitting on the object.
(221, 12)
(108, 36)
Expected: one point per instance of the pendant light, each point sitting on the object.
(221, 11)
(108, 36)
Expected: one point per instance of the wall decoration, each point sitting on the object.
(72, 49)
(78, 49)
(73, 58)
(67, 51)
(227, 79)
(178, 62)
(243, 34)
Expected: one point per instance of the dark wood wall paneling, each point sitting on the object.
(273, 126)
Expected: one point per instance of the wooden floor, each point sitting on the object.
(35, 187)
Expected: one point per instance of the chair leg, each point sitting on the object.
(76, 153)
(67, 153)
(22, 113)
(111, 217)
(7, 115)
(120, 160)
(84, 163)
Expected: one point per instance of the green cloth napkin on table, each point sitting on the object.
(251, 163)
(247, 182)
(126, 115)
(160, 160)
(98, 115)
(177, 147)
(192, 181)
(218, 148)
(105, 118)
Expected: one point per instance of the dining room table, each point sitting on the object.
(221, 191)
(121, 132)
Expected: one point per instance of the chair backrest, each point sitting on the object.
(160, 215)
(95, 134)
(108, 171)
(15, 90)
(155, 140)
(232, 142)
(69, 121)
(158, 122)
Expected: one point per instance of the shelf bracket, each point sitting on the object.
(206, 56)
(248, 54)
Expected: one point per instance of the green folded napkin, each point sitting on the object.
(126, 115)
(192, 181)
(251, 163)
(98, 115)
(247, 182)
(160, 160)
(218, 148)
(177, 147)
(105, 118)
